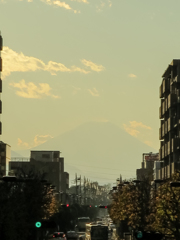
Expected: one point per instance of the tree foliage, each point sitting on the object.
(21, 205)
(132, 203)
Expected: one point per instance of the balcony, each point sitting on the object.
(0, 106)
(169, 124)
(175, 144)
(160, 113)
(1, 43)
(160, 154)
(165, 85)
(165, 150)
(162, 129)
(160, 134)
(175, 166)
(172, 99)
(163, 108)
(169, 148)
(168, 171)
(162, 149)
(166, 104)
(0, 85)
(166, 127)
(160, 92)
(162, 173)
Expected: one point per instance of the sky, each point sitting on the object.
(69, 62)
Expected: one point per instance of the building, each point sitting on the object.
(48, 163)
(169, 114)
(5, 157)
(149, 162)
(1, 47)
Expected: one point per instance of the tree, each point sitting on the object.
(132, 202)
(167, 208)
(23, 204)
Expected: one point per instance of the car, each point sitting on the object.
(72, 235)
(58, 236)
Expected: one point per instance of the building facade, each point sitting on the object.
(5, 157)
(169, 114)
(1, 48)
(48, 163)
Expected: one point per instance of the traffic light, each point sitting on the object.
(64, 205)
(102, 206)
(38, 224)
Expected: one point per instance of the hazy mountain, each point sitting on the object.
(15, 154)
(100, 151)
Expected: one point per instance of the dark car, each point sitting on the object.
(72, 235)
(58, 235)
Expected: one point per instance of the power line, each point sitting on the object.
(102, 168)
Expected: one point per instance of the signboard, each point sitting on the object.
(152, 157)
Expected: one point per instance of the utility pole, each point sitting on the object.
(84, 190)
(76, 185)
(80, 190)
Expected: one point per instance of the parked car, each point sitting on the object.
(58, 236)
(72, 235)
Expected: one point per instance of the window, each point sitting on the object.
(45, 156)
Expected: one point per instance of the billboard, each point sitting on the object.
(152, 157)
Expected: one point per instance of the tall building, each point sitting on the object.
(1, 47)
(149, 162)
(169, 114)
(5, 157)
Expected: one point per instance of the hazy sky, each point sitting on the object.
(72, 61)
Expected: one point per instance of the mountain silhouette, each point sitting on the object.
(99, 150)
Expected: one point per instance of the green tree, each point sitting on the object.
(132, 202)
(166, 217)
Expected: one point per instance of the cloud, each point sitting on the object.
(18, 62)
(21, 143)
(132, 128)
(103, 4)
(149, 143)
(131, 75)
(75, 90)
(38, 139)
(30, 90)
(93, 66)
(94, 92)
(59, 4)
(81, 1)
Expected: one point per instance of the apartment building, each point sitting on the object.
(48, 163)
(169, 114)
(1, 48)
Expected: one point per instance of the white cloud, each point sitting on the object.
(21, 143)
(131, 75)
(38, 139)
(18, 62)
(132, 128)
(59, 4)
(81, 1)
(30, 90)
(94, 92)
(93, 66)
